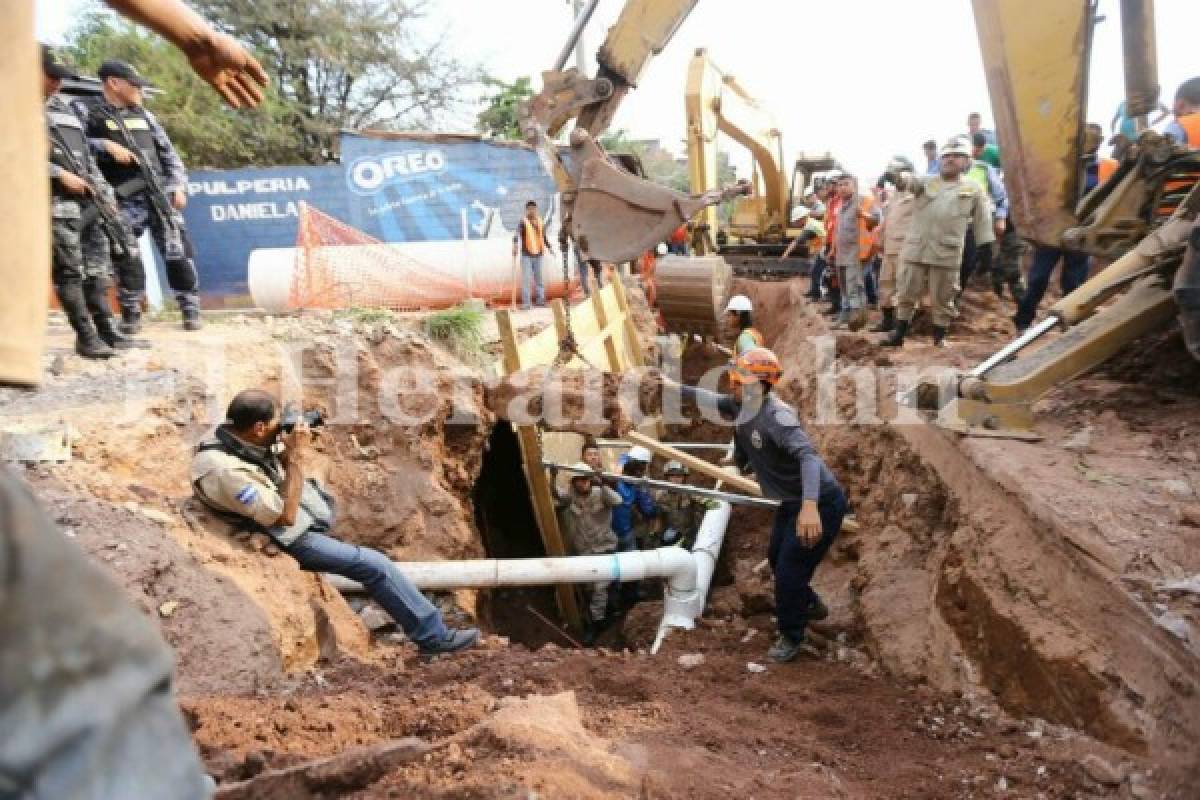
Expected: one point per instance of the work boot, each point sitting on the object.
(785, 649)
(452, 642)
(191, 320)
(131, 321)
(109, 333)
(87, 342)
(817, 610)
(856, 320)
(939, 335)
(898, 334)
(888, 323)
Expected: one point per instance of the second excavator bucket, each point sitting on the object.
(615, 215)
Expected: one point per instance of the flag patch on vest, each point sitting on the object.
(247, 495)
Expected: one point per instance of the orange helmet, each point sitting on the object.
(756, 364)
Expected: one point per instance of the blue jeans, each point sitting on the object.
(531, 271)
(794, 564)
(870, 271)
(387, 586)
(818, 272)
(1074, 273)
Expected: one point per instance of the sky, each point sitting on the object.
(863, 79)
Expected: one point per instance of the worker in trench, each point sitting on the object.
(586, 511)
(240, 473)
(739, 322)
(679, 514)
(770, 442)
(87, 705)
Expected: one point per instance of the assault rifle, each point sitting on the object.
(101, 206)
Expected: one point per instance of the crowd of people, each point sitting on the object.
(920, 236)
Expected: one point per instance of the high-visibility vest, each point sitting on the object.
(1191, 126)
(534, 238)
(1105, 168)
(748, 339)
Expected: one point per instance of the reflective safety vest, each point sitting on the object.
(533, 237)
(1191, 126)
(1105, 169)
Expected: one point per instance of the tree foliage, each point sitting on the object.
(334, 65)
(501, 118)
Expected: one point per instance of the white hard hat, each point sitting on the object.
(579, 467)
(739, 302)
(956, 147)
(800, 212)
(639, 453)
(661, 249)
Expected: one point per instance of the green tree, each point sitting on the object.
(501, 119)
(334, 65)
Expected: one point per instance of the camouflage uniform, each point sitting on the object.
(681, 513)
(137, 210)
(1006, 269)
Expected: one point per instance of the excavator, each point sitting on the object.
(1036, 58)
(759, 228)
(1140, 220)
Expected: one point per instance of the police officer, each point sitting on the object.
(943, 206)
(81, 243)
(770, 441)
(128, 133)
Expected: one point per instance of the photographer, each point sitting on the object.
(236, 473)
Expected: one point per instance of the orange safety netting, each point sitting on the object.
(339, 266)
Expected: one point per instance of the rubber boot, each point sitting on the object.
(87, 342)
(131, 321)
(835, 300)
(939, 336)
(898, 334)
(888, 323)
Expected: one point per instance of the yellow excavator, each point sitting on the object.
(759, 228)
(1036, 57)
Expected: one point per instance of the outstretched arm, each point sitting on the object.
(215, 57)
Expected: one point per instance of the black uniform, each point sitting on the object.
(146, 203)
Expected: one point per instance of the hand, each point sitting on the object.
(73, 183)
(118, 152)
(998, 226)
(178, 199)
(228, 68)
(808, 524)
(296, 445)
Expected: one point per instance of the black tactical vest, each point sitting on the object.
(101, 125)
(66, 132)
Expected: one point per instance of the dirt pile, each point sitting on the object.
(579, 400)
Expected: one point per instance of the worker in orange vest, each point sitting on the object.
(531, 242)
(1186, 125)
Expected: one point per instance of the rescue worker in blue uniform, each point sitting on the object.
(770, 442)
(82, 244)
(126, 132)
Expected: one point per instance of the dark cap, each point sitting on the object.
(123, 70)
(54, 66)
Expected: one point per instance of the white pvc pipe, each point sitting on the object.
(688, 574)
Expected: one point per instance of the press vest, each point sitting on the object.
(103, 126)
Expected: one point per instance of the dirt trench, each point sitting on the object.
(967, 578)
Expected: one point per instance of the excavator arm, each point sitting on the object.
(716, 102)
(611, 214)
(1036, 60)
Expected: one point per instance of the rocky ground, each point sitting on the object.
(1004, 623)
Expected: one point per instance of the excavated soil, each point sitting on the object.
(999, 625)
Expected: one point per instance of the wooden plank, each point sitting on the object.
(634, 341)
(536, 478)
(739, 482)
(610, 346)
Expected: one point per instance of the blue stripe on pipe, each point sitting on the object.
(616, 569)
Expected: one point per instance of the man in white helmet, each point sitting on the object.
(739, 321)
(810, 242)
(587, 510)
(943, 206)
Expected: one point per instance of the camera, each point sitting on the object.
(292, 417)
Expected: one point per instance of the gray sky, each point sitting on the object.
(831, 72)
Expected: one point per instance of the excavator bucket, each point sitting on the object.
(615, 216)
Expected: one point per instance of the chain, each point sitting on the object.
(569, 346)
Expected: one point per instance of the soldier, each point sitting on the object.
(149, 177)
(943, 206)
(679, 514)
(896, 219)
(82, 239)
